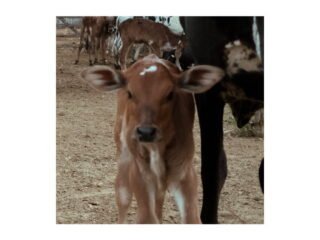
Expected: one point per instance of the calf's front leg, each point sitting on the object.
(186, 197)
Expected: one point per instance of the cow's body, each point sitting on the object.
(208, 37)
(153, 134)
(155, 35)
(94, 32)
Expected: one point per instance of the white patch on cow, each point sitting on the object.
(152, 200)
(180, 201)
(152, 68)
(156, 165)
(125, 155)
(124, 195)
(256, 36)
(229, 45)
(237, 42)
(150, 42)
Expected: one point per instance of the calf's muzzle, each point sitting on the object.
(146, 133)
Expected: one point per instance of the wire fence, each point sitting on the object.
(61, 22)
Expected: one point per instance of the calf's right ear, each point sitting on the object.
(103, 78)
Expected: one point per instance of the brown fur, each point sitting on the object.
(155, 35)
(94, 32)
(147, 169)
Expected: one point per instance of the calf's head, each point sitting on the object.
(149, 91)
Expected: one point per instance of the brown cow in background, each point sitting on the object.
(94, 32)
(156, 35)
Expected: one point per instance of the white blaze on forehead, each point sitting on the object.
(152, 68)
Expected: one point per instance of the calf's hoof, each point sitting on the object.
(76, 62)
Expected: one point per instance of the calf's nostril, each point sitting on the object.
(146, 133)
(146, 130)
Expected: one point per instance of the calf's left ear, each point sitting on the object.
(103, 78)
(200, 78)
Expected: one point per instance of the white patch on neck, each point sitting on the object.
(152, 68)
(156, 164)
(125, 155)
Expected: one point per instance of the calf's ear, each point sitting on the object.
(200, 78)
(103, 78)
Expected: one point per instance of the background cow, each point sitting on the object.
(93, 36)
(155, 35)
(207, 38)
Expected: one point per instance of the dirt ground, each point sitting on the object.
(86, 166)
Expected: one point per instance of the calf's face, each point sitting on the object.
(150, 89)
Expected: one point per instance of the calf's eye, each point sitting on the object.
(129, 94)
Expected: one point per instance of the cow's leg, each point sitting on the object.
(96, 49)
(137, 52)
(213, 159)
(186, 197)
(207, 44)
(124, 53)
(80, 45)
(90, 47)
(90, 44)
(103, 49)
(159, 204)
(123, 190)
(144, 188)
(261, 174)
(156, 49)
(149, 49)
(78, 53)
(177, 54)
(90, 51)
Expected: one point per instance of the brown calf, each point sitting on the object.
(153, 134)
(156, 35)
(94, 32)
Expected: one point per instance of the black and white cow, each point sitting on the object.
(243, 90)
